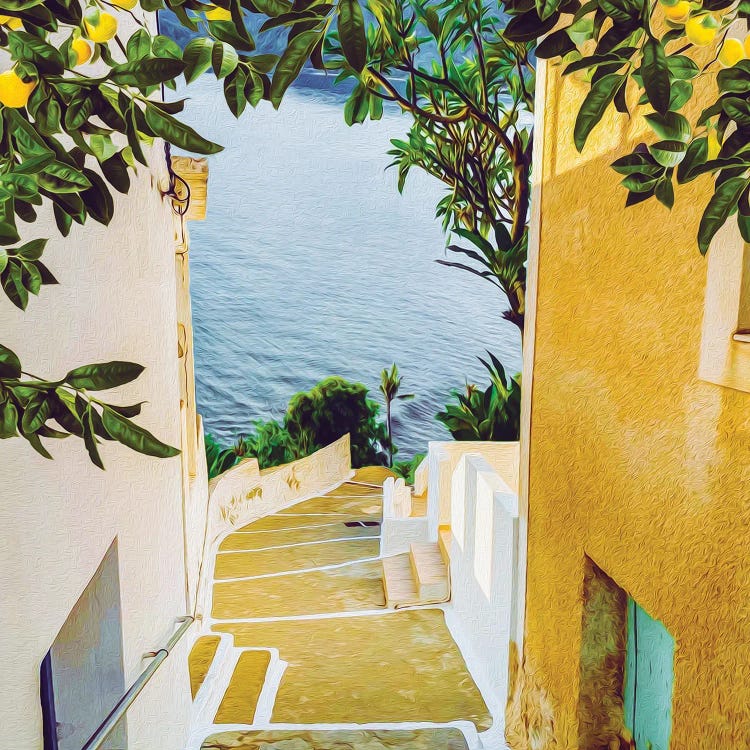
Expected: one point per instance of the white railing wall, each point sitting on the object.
(399, 529)
(483, 565)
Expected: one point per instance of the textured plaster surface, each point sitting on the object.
(341, 739)
(201, 655)
(635, 462)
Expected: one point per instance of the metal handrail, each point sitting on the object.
(107, 726)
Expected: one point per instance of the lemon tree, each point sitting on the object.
(648, 45)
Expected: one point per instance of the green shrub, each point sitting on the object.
(406, 469)
(492, 414)
(271, 444)
(332, 408)
(218, 459)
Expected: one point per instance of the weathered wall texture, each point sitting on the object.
(116, 300)
(635, 461)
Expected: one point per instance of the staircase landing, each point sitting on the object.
(417, 577)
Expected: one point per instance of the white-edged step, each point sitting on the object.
(420, 576)
(398, 582)
(444, 543)
(430, 572)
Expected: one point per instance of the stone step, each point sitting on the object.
(430, 573)
(398, 582)
(444, 543)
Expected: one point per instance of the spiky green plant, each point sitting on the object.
(490, 414)
(390, 383)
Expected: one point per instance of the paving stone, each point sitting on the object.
(395, 667)
(262, 562)
(347, 589)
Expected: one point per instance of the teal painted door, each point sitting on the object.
(649, 677)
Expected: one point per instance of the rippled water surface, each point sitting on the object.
(310, 264)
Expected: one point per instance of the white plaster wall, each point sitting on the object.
(115, 300)
(483, 559)
(441, 462)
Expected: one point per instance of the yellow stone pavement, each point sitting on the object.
(348, 659)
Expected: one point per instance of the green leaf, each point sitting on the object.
(32, 250)
(671, 126)
(12, 281)
(178, 133)
(234, 91)
(8, 233)
(79, 110)
(738, 109)
(272, 8)
(637, 163)
(545, 8)
(556, 44)
(46, 58)
(351, 28)
(36, 413)
(290, 64)
(3, 259)
(89, 435)
(594, 105)
(197, 58)
(668, 153)
(98, 199)
(695, 156)
(224, 59)
(357, 106)
(115, 170)
(723, 202)
(664, 192)
(149, 72)
(681, 93)
(139, 45)
(735, 80)
(655, 74)
(682, 68)
(99, 377)
(10, 365)
(134, 436)
(8, 420)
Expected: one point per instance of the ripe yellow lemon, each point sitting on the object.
(713, 145)
(747, 45)
(14, 92)
(219, 14)
(125, 4)
(677, 13)
(82, 49)
(731, 52)
(701, 30)
(11, 22)
(100, 29)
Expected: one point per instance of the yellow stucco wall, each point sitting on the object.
(634, 461)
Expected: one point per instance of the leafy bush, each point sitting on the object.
(493, 414)
(406, 469)
(313, 419)
(271, 444)
(218, 459)
(332, 408)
